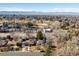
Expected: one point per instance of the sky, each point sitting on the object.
(40, 7)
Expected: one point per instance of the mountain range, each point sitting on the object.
(36, 13)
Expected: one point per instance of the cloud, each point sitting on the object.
(61, 10)
(40, 9)
(65, 10)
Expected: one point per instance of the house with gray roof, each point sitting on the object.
(3, 42)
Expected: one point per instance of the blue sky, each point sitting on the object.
(41, 7)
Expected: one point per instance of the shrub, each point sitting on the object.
(39, 35)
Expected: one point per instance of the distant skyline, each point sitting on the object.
(40, 7)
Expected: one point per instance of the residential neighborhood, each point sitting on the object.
(23, 37)
(39, 29)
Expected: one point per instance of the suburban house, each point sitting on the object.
(13, 42)
(41, 42)
(32, 29)
(47, 30)
(3, 42)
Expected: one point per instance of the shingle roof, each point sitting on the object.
(2, 42)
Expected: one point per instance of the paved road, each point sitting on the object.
(20, 54)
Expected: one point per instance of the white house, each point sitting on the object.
(47, 30)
